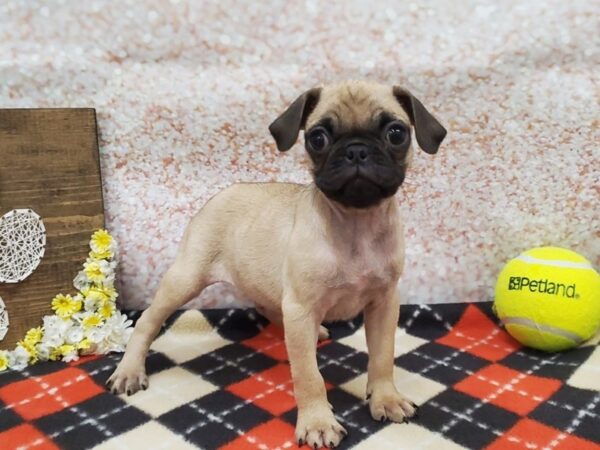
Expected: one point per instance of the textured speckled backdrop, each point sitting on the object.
(185, 91)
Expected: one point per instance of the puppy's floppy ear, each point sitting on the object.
(430, 133)
(287, 126)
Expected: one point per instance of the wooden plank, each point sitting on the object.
(49, 162)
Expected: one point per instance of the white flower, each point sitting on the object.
(122, 336)
(43, 351)
(113, 335)
(81, 281)
(54, 325)
(54, 330)
(79, 316)
(53, 340)
(90, 303)
(51, 322)
(119, 321)
(97, 334)
(18, 358)
(74, 334)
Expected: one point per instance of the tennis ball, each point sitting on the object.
(549, 298)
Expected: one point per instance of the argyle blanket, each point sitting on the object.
(220, 379)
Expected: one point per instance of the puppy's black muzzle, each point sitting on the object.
(358, 173)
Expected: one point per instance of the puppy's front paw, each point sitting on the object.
(317, 427)
(128, 378)
(385, 402)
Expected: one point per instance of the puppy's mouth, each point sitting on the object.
(357, 188)
(360, 192)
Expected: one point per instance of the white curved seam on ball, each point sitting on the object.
(555, 262)
(541, 327)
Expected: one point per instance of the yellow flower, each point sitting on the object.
(109, 291)
(106, 254)
(92, 320)
(106, 310)
(84, 344)
(62, 350)
(65, 349)
(95, 293)
(101, 242)
(34, 336)
(3, 361)
(93, 270)
(100, 294)
(65, 305)
(55, 354)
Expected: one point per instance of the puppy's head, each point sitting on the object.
(358, 137)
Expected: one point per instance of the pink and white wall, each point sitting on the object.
(184, 93)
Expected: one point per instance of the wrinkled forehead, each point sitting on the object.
(355, 106)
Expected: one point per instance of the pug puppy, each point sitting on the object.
(309, 254)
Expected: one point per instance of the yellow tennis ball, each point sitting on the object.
(549, 298)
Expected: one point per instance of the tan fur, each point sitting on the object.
(354, 103)
(304, 260)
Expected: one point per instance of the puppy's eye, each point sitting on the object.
(396, 133)
(318, 139)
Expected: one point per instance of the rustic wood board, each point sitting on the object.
(49, 162)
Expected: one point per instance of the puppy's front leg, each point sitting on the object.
(316, 424)
(381, 322)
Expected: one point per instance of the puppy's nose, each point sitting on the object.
(356, 153)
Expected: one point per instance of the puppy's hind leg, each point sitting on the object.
(185, 279)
